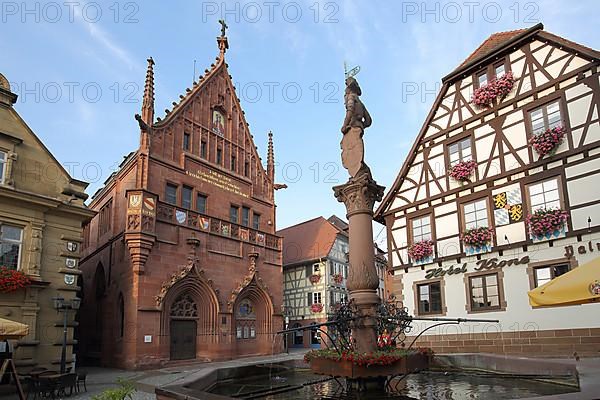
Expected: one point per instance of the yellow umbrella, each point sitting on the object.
(578, 286)
(12, 330)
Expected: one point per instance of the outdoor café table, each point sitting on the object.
(50, 384)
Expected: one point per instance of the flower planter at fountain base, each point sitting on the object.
(347, 369)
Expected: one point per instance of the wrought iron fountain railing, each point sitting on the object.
(392, 318)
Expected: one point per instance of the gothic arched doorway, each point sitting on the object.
(183, 327)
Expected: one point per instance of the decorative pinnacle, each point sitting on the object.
(148, 100)
(270, 158)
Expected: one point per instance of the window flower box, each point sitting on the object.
(547, 142)
(12, 280)
(496, 89)
(316, 308)
(315, 278)
(463, 170)
(477, 240)
(547, 224)
(421, 252)
(338, 278)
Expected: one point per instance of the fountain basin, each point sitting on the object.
(412, 362)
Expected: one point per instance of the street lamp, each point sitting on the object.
(62, 305)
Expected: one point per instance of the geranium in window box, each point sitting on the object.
(477, 240)
(499, 88)
(338, 278)
(421, 252)
(547, 142)
(316, 308)
(463, 170)
(315, 278)
(547, 224)
(12, 280)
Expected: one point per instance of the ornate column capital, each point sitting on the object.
(359, 194)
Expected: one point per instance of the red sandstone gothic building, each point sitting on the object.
(182, 260)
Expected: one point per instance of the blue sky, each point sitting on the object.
(59, 57)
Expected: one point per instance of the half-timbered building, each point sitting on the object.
(182, 260)
(476, 216)
(315, 269)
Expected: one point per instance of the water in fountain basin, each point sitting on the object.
(302, 384)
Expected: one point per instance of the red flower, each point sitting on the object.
(316, 308)
(462, 170)
(11, 280)
(338, 278)
(421, 250)
(477, 236)
(547, 141)
(315, 278)
(544, 221)
(497, 88)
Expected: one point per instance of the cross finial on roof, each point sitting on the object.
(223, 27)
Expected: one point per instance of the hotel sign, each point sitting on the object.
(481, 265)
(582, 249)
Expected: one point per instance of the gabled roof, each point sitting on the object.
(493, 45)
(339, 223)
(308, 241)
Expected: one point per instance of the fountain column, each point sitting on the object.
(359, 195)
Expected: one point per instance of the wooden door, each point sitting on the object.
(183, 339)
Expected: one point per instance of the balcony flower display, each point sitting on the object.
(548, 141)
(463, 170)
(315, 278)
(421, 250)
(546, 222)
(316, 308)
(12, 280)
(338, 278)
(499, 88)
(477, 237)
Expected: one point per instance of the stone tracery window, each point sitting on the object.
(245, 315)
(184, 306)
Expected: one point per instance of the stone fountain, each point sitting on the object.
(359, 195)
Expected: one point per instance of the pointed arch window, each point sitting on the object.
(245, 316)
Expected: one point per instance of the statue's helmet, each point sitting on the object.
(352, 85)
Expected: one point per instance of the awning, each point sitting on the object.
(581, 285)
(12, 330)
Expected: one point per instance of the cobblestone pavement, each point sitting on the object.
(100, 379)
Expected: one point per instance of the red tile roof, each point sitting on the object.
(308, 240)
(490, 44)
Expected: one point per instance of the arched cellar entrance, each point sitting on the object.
(252, 328)
(183, 328)
(190, 310)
